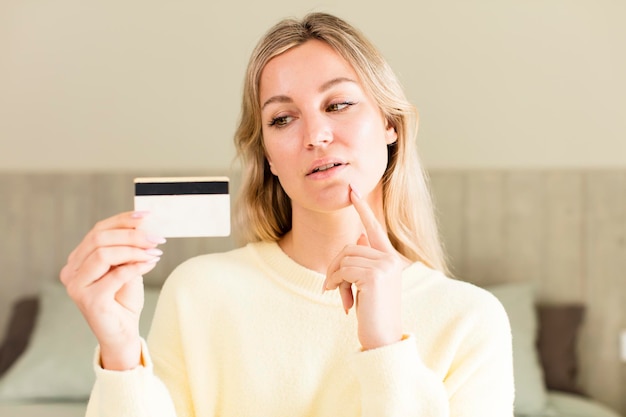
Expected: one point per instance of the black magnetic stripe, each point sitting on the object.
(181, 188)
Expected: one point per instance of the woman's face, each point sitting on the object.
(321, 130)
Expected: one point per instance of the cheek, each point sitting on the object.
(369, 135)
(279, 155)
(371, 143)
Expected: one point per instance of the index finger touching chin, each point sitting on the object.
(376, 233)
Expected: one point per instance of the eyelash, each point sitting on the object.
(346, 104)
(276, 122)
(280, 121)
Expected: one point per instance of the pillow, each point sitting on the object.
(558, 335)
(530, 390)
(20, 327)
(57, 364)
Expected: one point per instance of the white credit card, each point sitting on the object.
(184, 206)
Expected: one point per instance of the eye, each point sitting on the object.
(334, 107)
(280, 121)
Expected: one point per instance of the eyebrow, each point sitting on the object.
(328, 84)
(324, 87)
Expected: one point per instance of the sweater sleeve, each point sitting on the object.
(478, 381)
(158, 388)
(137, 392)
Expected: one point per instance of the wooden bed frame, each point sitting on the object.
(563, 230)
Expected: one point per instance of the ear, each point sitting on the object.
(391, 136)
(269, 162)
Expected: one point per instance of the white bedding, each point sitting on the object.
(559, 405)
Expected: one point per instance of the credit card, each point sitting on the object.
(184, 206)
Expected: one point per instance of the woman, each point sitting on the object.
(339, 305)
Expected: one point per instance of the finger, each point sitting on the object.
(126, 220)
(350, 254)
(356, 273)
(111, 237)
(376, 234)
(119, 276)
(353, 270)
(332, 268)
(334, 281)
(347, 297)
(102, 260)
(109, 284)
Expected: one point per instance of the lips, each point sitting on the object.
(321, 166)
(324, 167)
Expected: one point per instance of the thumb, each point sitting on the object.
(363, 240)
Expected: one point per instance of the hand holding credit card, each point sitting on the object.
(184, 206)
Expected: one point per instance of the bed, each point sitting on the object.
(46, 349)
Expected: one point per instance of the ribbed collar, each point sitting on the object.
(306, 282)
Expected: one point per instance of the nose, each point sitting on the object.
(317, 131)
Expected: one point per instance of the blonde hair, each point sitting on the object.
(264, 209)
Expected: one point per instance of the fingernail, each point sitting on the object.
(139, 214)
(355, 191)
(154, 252)
(153, 260)
(155, 239)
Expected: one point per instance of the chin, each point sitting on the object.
(330, 200)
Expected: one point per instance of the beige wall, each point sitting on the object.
(154, 84)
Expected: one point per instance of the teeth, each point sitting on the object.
(325, 167)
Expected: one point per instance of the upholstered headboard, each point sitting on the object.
(563, 230)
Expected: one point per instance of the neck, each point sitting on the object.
(317, 237)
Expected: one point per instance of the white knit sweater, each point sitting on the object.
(250, 333)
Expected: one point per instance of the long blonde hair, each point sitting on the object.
(264, 209)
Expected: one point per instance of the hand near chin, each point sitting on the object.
(374, 267)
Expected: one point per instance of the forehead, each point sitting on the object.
(308, 65)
